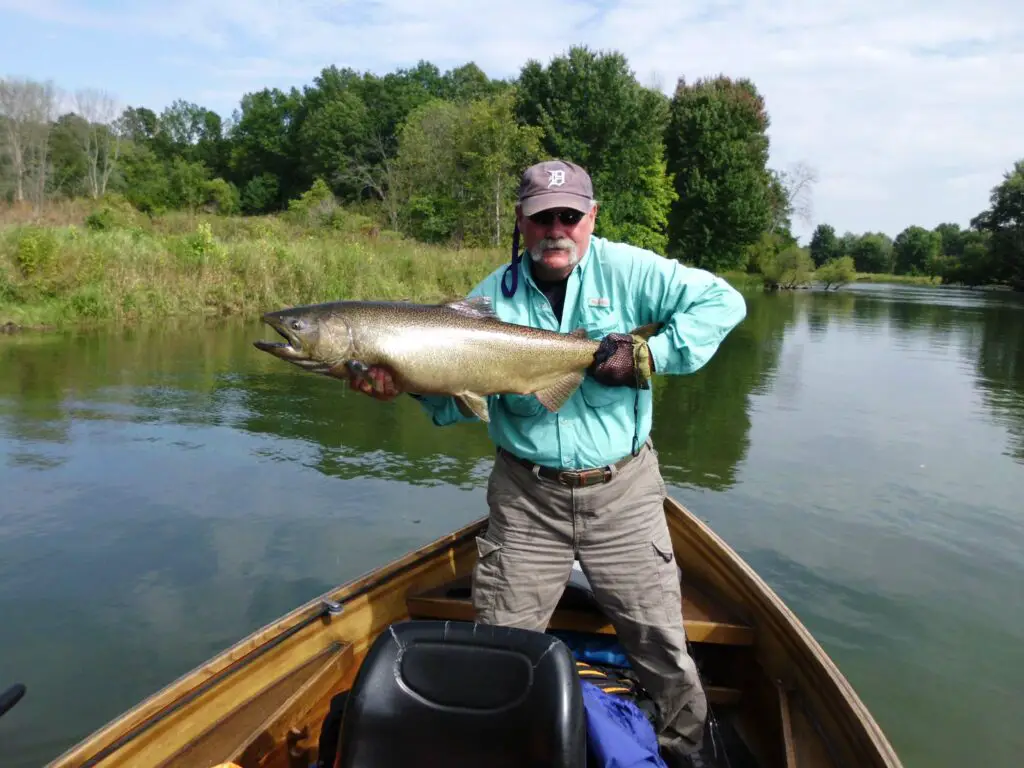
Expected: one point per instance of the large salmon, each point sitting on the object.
(460, 348)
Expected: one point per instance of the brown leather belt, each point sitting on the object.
(574, 478)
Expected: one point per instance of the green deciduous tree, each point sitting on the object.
(790, 268)
(1003, 221)
(68, 167)
(264, 145)
(836, 272)
(717, 150)
(594, 112)
(914, 249)
(144, 178)
(872, 252)
(824, 245)
(458, 167)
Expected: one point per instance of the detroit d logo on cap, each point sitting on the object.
(556, 178)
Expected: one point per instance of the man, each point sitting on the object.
(610, 518)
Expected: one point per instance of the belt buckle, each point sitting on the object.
(582, 478)
(566, 477)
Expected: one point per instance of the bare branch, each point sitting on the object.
(797, 182)
(378, 176)
(27, 111)
(100, 137)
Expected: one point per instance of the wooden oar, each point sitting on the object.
(10, 697)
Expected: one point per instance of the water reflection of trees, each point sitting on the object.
(987, 326)
(353, 435)
(31, 392)
(1001, 370)
(702, 422)
(984, 326)
(195, 374)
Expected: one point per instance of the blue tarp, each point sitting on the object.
(594, 649)
(619, 735)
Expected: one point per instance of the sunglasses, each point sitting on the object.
(568, 217)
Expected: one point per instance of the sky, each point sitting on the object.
(909, 111)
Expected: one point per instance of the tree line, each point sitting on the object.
(989, 251)
(437, 156)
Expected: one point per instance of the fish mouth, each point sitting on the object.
(286, 350)
(290, 349)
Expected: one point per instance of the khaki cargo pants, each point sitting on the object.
(618, 532)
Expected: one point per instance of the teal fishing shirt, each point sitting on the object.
(615, 288)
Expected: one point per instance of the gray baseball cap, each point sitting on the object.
(555, 184)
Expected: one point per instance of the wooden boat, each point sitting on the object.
(775, 695)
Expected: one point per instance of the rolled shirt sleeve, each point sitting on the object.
(698, 310)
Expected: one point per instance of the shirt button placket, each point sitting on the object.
(565, 430)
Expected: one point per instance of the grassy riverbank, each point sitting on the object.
(81, 266)
(126, 267)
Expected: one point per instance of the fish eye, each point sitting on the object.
(297, 324)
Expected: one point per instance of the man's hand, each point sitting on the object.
(375, 381)
(623, 360)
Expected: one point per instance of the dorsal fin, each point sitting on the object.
(480, 307)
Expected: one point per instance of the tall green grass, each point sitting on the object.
(114, 264)
(127, 270)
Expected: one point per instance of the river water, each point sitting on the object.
(166, 490)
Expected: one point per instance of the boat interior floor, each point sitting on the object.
(723, 746)
(721, 644)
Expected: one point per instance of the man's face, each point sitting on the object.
(557, 238)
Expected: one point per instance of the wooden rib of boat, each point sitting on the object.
(771, 687)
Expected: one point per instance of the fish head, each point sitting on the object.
(316, 338)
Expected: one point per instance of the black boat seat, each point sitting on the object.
(456, 693)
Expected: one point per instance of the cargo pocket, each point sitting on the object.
(668, 578)
(487, 578)
(664, 552)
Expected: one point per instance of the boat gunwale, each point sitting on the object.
(214, 670)
(774, 621)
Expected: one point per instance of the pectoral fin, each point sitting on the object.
(350, 369)
(555, 396)
(471, 403)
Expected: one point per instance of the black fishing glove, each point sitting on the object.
(623, 360)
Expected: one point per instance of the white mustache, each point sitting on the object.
(554, 244)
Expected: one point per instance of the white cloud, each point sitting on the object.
(909, 109)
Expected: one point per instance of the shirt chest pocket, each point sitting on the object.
(599, 322)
